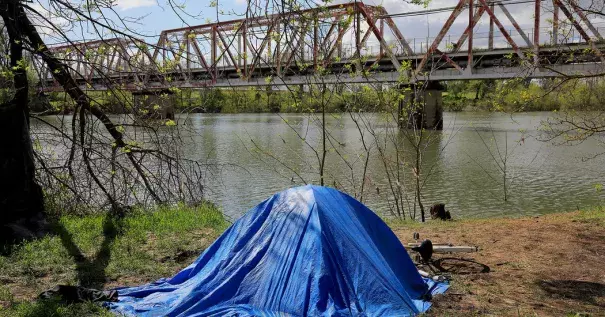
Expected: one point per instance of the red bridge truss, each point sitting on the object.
(350, 43)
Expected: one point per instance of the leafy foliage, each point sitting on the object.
(521, 95)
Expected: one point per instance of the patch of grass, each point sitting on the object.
(398, 223)
(53, 309)
(101, 251)
(594, 215)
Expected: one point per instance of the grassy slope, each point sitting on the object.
(101, 252)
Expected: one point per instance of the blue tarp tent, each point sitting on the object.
(306, 251)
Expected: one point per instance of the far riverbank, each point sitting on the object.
(488, 95)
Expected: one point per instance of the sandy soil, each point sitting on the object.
(551, 265)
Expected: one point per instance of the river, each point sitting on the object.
(463, 166)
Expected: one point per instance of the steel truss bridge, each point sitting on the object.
(349, 43)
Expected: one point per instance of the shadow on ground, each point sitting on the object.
(91, 272)
(460, 266)
(586, 292)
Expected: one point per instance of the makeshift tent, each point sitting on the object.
(306, 251)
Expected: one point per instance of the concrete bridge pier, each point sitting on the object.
(422, 107)
(154, 104)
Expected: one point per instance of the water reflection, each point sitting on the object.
(259, 154)
(463, 163)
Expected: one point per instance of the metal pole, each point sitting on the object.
(586, 20)
(339, 43)
(269, 56)
(245, 45)
(189, 55)
(381, 34)
(213, 52)
(490, 44)
(315, 41)
(555, 24)
(239, 51)
(278, 48)
(537, 32)
(471, 23)
(515, 24)
(441, 34)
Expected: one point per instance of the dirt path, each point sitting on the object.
(552, 265)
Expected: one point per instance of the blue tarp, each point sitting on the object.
(306, 251)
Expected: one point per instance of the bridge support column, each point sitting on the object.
(272, 100)
(422, 107)
(300, 93)
(157, 104)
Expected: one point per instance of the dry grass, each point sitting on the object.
(551, 265)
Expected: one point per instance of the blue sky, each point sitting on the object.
(159, 14)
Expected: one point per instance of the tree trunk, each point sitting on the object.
(21, 199)
(20, 195)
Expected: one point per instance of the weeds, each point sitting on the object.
(594, 215)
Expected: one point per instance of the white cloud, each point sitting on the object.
(47, 22)
(131, 4)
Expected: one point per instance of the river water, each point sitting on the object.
(463, 166)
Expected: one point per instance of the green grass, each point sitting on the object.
(594, 215)
(52, 308)
(249, 101)
(397, 223)
(99, 251)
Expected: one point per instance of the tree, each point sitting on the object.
(587, 121)
(21, 199)
(96, 163)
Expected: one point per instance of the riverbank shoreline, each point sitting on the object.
(501, 95)
(547, 265)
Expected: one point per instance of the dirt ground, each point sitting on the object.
(552, 265)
